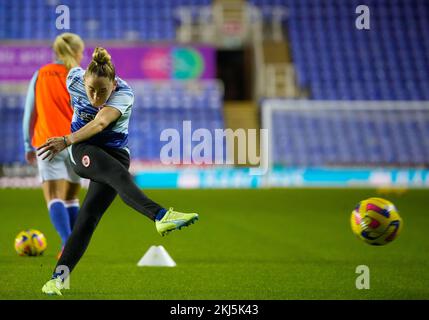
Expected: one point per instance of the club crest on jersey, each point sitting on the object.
(86, 161)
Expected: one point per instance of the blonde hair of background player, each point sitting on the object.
(68, 48)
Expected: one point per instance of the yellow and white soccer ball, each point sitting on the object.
(376, 221)
(30, 243)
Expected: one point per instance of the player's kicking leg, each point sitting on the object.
(111, 169)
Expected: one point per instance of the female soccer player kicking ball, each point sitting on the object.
(98, 150)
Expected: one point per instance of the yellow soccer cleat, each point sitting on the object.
(173, 220)
(53, 287)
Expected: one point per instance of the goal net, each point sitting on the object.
(347, 133)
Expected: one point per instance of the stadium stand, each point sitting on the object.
(160, 106)
(11, 113)
(332, 59)
(149, 20)
(336, 61)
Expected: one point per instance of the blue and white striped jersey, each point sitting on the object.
(122, 98)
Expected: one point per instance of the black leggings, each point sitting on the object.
(107, 169)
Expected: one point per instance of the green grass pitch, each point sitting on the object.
(248, 244)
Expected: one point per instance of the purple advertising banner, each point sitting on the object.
(18, 63)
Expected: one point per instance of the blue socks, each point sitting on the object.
(160, 214)
(63, 216)
(73, 209)
(60, 218)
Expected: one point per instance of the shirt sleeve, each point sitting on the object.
(29, 113)
(121, 100)
(74, 81)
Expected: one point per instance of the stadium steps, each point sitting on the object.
(242, 115)
(279, 70)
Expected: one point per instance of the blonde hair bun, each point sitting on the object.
(101, 56)
(101, 64)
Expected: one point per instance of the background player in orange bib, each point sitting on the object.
(48, 113)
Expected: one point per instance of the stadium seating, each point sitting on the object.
(161, 106)
(336, 61)
(151, 20)
(11, 113)
(333, 59)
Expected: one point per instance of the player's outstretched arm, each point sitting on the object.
(53, 146)
(104, 117)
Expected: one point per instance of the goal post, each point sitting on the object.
(391, 135)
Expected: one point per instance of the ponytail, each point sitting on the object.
(66, 46)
